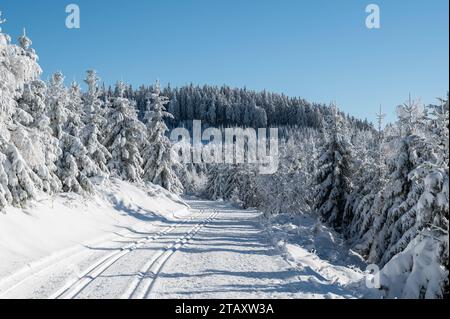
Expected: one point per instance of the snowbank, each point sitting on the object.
(308, 244)
(416, 272)
(62, 224)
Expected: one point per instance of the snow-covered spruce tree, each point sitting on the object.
(75, 167)
(95, 121)
(225, 180)
(240, 185)
(368, 180)
(92, 102)
(57, 100)
(298, 170)
(439, 126)
(287, 191)
(249, 194)
(370, 186)
(21, 155)
(419, 241)
(238, 182)
(216, 184)
(42, 146)
(411, 118)
(125, 136)
(333, 180)
(409, 234)
(193, 176)
(393, 209)
(18, 67)
(74, 125)
(158, 160)
(18, 181)
(232, 182)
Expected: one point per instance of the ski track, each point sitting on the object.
(74, 288)
(218, 252)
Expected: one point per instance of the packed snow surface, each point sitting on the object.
(127, 242)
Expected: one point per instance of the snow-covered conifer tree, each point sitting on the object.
(74, 125)
(23, 167)
(192, 177)
(75, 167)
(158, 160)
(57, 102)
(42, 146)
(410, 117)
(288, 191)
(413, 224)
(216, 185)
(368, 181)
(125, 136)
(394, 209)
(334, 172)
(95, 122)
(249, 194)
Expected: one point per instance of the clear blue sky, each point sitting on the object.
(316, 49)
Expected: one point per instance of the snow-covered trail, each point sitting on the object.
(232, 257)
(216, 252)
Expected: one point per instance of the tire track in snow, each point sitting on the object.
(76, 286)
(142, 285)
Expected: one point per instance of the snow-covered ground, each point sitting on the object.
(309, 245)
(54, 238)
(234, 257)
(133, 243)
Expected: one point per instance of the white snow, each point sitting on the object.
(131, 242)
(309, 245)
(53, 228)
(235, 257)
(414, 268)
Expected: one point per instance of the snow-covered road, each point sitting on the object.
(216, 252)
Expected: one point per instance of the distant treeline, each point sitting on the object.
(226, 107)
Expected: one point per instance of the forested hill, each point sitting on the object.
(225, 106)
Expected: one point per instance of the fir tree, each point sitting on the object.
(22, 153)
(159, 164)
(125, 136)
(94, 123)
(334, 173)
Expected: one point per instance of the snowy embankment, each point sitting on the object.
(309, 245)
(56, 227)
